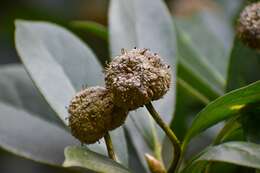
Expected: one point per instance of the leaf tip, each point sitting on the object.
(18, 22)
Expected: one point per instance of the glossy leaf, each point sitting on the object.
(187, 105)
(223, 108)
(250, 122)
(244, 69)
(24, 134)
(244, 66)
(60, 64)
(135, 164)
(208, 60)
(130, 25)
(18, 90)
(84, 158)
(188, 55)
(232, 127)
(26, 120)
(238, 153)
(194, 81)
(139, 137)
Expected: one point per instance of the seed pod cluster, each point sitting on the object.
(137, 77)
(92, 114)
(132, 80)
(248, 29)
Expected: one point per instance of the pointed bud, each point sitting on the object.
(154, 165)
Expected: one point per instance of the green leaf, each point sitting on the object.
(238, 153)
(18, 90)
(232, 127)
(26, 120)
(145, 24)
(60, 64)
(250, 122)
(192, 73)
(198, 168)
(84, 158)
(134, 161)
(216, 167)
(139, 137)
(244, 66)
(234, 135)
(26, 135)
(187, 105)
(209, 59)
(92, 27)
(223, 108)
(244, 69)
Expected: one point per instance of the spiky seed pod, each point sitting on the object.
(137, 77)
(248, 29)
(92, 114)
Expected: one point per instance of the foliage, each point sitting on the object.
(215, 77)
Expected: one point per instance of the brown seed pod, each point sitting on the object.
(137, 77)
(118, 117)
(248, 29)
(92, 114)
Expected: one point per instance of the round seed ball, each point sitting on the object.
(248, 29)
(137, 77)
(118, 117)
(92, 114)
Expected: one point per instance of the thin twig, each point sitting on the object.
(109, 145)
(176, 143)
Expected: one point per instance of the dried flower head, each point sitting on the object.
(248, 29)
(137, 77)
(92, 114)
(118, 117)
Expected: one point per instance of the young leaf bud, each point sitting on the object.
(137, 77)
(248, 29)
(154, 165)
(92, 114)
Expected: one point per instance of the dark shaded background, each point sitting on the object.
(58, 11)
